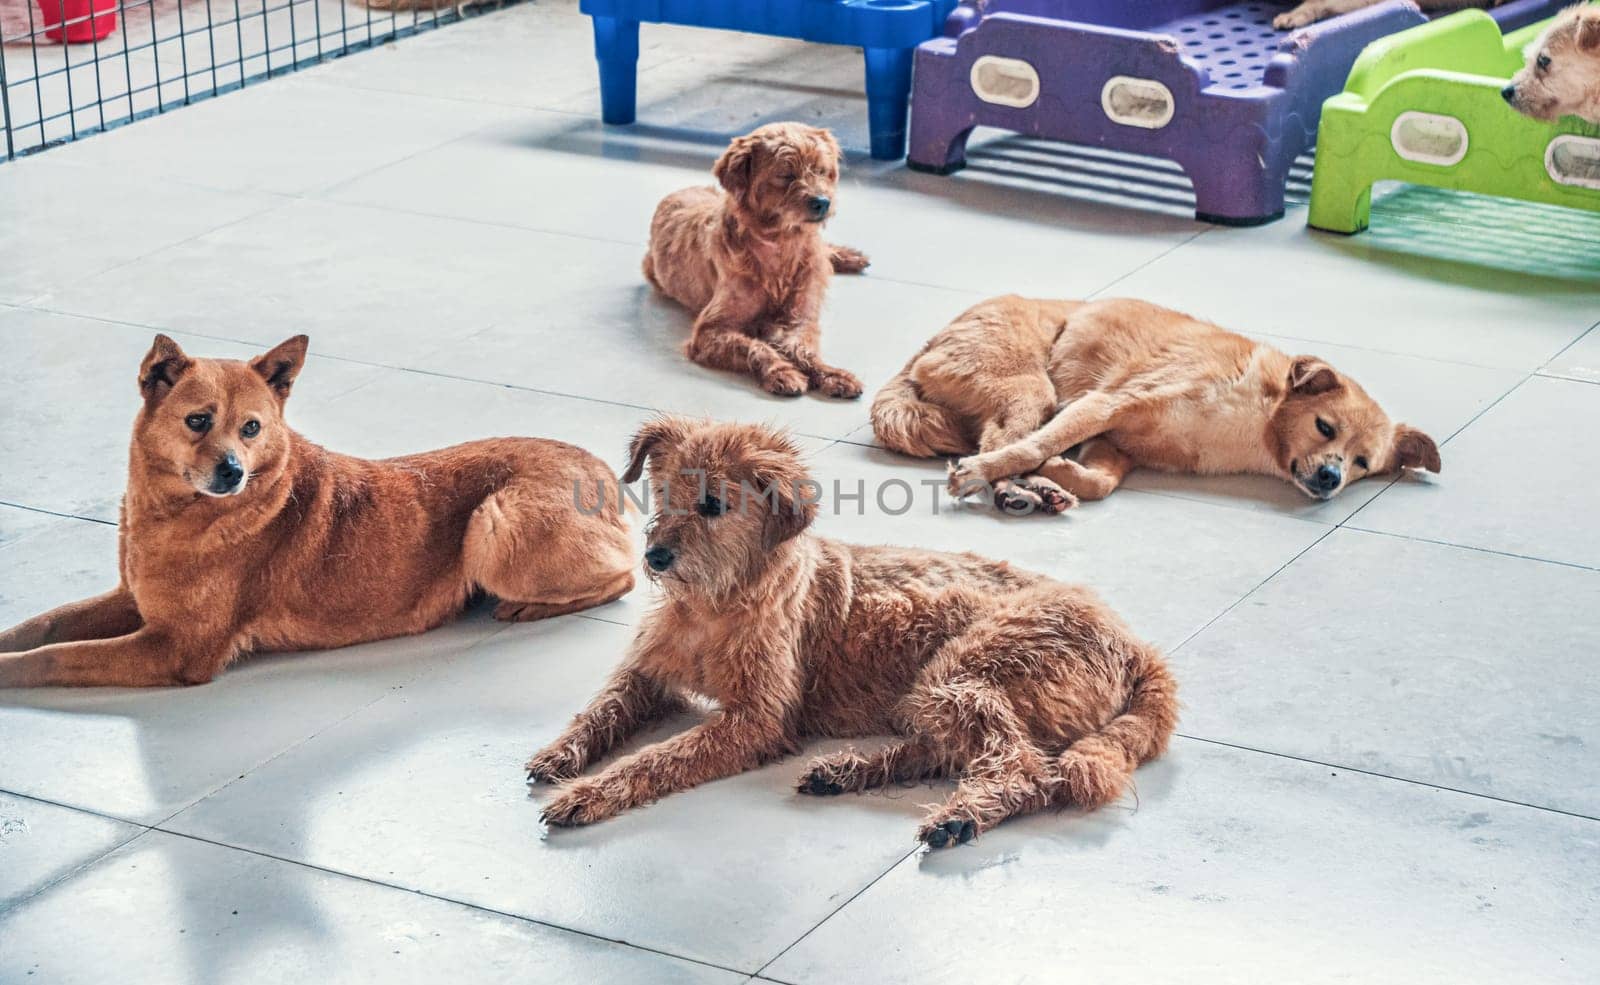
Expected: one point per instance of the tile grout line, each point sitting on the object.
(64, 516)
(75, 871)
(1468, 547)
(835, 911)
(1155, 259)
(425, 894)
(1389, 776)
(1254, 589)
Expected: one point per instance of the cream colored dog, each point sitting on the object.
(1562, 76)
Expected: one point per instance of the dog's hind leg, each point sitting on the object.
(1002, 772)
(102, 617)
(531, 547)
(847, 260)
(898, 762)
(1030, 402)
(1075, 423)
(1096, 769)
(1099, 470)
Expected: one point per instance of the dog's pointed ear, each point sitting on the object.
(1414, 450)
(162, 366)
(736, 165)
(1588, 35)
(1309, 376)
(280, 366)
(663, 431)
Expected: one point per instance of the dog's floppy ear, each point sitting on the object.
(826, 137)
(787, 498)
(1414, 450)
(1588, 33)
(280, 366)
(735, 167)
(162, 366)
(649, 439)
(1310, 376)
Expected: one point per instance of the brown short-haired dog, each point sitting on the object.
(1033, 692)
(239, 535)
(1562, 76)
(750, 261)
(1023, 381)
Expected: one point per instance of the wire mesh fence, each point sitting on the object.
(69, 68)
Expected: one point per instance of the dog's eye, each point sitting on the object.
(787, 177)
(1325, 429)
(198, 423)
(1543, 61)
(250, 429)
(1361, 462)
(710, 506)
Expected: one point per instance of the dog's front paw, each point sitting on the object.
(966, 478)
(580, 803)
(554, 764)
(947, 833)
(848, 260)
(838, 383)
(1298, 17)
(785, 381)
(1032, 494)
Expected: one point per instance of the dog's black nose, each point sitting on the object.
(1327, 478)
(1508, 93)
(225, 478)
(818, 204)
(660, 558)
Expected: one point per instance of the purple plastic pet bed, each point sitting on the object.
(1211, 85)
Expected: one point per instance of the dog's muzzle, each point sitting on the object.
(660, 558)
(1324, 482)
(1509, 94)
(227, 476)
(817, 207)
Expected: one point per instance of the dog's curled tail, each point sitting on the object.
(906, 423)
(1097, 768)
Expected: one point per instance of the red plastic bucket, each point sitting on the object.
(75, 14)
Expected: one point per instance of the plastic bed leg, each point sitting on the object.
(616, 48)
(1223, 196)
(888, 89)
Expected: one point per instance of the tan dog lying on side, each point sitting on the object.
(750, 261)
(239, 535)
(1032, 692)
(1023, 381)
(1562, 77)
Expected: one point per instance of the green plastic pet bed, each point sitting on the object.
(1424, 106)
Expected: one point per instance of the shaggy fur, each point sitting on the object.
(1024, 381)
(238, 535)
(1032, 692)
(1316, 10)
(1562, 76)
(750, 260)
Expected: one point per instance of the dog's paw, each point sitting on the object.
(966, 478)
(553, 765)
(947, 833)
(821, 779)
(838, 383)
(1032, 494)
(580, 803)
(848, 260)
(1291, 19)
(785, 381)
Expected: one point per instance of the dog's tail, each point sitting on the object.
(906, 423)
(1097, 768)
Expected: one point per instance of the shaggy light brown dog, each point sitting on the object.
(239, 535)
(1031, 691)
(1562, 76)
(750, 261)
(1024, 381)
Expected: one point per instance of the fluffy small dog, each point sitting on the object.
(750, 261)
(1031, 691)
(1562, 76)
(239, 535)
(1024, 381)
(1316, 10)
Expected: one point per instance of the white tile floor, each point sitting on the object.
(1389, 767)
